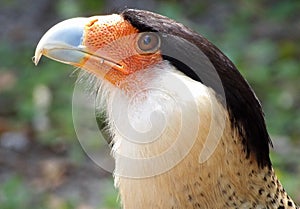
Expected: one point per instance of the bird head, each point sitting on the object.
(107, 46)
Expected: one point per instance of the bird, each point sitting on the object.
(186, 129)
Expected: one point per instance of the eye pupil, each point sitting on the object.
(147, 40)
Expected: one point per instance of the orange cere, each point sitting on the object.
(114, 39)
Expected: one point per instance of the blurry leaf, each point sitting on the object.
(282, 10)
(258, 75)
(260, 52)
(68, 8)
(91, 6)
(111, 197)
(288, 69)
(288, 49)
(56, 202)
(171, 9)
(14, 194)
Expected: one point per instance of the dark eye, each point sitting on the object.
(148, 43)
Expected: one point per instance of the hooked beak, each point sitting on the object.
(63, 42)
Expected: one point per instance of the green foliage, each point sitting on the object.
(111, 197)
(171, 9)
(54, 76)
(14, 194)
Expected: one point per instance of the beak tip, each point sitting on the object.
(36, 58)
(35, 61)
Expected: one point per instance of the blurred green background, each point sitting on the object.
(41, 162)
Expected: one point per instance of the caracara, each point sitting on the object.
(186, 129)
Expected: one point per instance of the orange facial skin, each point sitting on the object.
(114, 40)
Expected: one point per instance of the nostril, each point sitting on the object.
(92, 22)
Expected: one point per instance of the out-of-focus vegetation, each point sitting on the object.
(36, 130)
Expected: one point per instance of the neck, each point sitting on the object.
(223, 181)
(212, 171)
